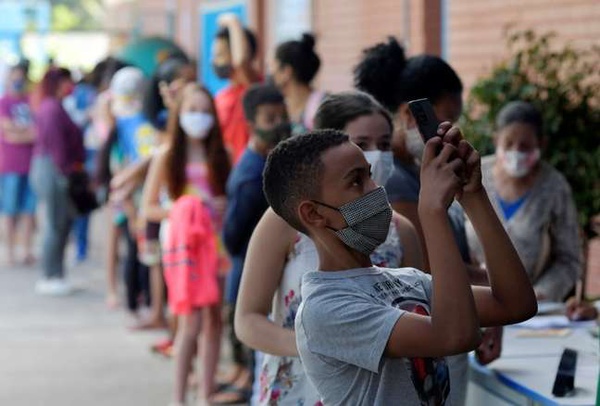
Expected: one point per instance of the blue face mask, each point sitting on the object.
(18, 85)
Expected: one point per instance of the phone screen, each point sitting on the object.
(422, 111)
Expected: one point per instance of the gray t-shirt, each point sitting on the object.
(342, 329)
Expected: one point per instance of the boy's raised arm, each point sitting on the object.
(510, 298)
(453, 314)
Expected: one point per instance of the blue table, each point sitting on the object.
(525, 373)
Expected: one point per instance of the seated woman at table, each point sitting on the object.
(534, 202)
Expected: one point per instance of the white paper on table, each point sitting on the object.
(550, 307)
(557, 321)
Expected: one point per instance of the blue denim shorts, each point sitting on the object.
(17, 196)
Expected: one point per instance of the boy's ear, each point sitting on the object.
(310, 216)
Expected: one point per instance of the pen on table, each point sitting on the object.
(579, 292)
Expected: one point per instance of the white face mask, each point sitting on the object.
(414, 142)
(518, 164)
(196, 125)
(382, 165)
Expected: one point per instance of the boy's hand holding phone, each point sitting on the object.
(431, 129)
(471, 174)
(439, 179)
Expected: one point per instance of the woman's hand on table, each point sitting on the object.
(579, 311)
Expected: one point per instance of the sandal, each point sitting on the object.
(164, 348)
(231, 395)
(149, 325)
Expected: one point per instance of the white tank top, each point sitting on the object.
(282, 379)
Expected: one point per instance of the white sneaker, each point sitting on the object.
(53, 287)
(43, 286)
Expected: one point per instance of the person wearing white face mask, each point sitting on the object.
(197, 124)
(535, 203)
(193, 162)
(271, 280)
(369, 126)
(394, 80)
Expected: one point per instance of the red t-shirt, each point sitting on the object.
(230, 112)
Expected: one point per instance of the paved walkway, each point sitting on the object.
(73, 350)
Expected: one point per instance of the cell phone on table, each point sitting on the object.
(428, 123)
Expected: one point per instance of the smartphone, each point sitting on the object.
(422, 111)
(564, 384)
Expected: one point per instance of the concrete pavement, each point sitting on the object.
(73, 350)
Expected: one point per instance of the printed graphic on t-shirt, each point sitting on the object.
(430, 376)
(21, 114)
(145, 138)
(137, 137)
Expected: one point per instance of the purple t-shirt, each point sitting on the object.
(58, 136)
(15, 158)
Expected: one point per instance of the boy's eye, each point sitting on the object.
(362, 145)
(357, 181)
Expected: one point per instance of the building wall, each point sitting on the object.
(187, 26)
(476, 28)
(474, 37)
(345, 28)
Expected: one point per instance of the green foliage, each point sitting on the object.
(80, 15)
(63, 19)
(564, 84)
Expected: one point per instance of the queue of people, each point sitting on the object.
(319, 230)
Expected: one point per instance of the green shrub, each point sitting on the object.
(564, 84)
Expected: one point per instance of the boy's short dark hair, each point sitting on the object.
(256, 96)
(294, 171)
(223, 34)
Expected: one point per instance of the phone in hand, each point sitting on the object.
(422, 111)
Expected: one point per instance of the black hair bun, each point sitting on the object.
(308, 41)
(380, 70)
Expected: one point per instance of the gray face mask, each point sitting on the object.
(368, 219)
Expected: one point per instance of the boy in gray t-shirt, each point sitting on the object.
(374, 336)
(355, 313)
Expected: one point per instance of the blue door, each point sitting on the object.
(209, 14)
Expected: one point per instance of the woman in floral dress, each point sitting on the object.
(279, 256)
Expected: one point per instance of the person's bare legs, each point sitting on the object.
(185, 343)
(157, 292)
(156, 319)
(29, 230)
(11, 238)
(210, 351)
(112, 295)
